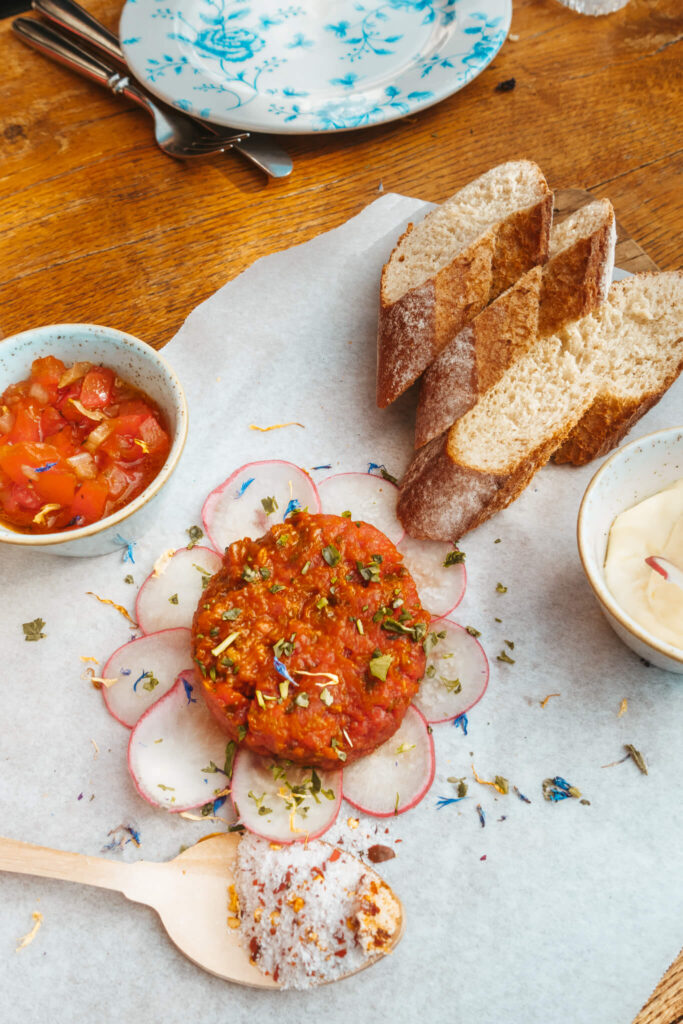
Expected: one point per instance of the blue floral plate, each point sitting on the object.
(265, 65)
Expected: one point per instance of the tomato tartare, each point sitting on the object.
(76, 444)
(309, 641)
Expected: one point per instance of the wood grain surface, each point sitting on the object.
(97, 225)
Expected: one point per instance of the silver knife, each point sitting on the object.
(258, 148)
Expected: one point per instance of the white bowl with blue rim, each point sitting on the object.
(634, 472)
(138, 364)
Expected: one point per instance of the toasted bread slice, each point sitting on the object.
(478, 356)
(447, 268)
(574, 281)
(630, 349)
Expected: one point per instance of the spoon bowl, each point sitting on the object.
(189, 893)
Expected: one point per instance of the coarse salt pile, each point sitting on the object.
(310, 913)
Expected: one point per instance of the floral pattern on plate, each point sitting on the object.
(266, 65)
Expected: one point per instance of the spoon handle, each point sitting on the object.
(27, 859)
(68, 14)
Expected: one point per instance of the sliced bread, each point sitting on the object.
(631, 349)
(444, 270)
(574, 281)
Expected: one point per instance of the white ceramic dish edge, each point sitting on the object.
(632, 473)
(139, 364)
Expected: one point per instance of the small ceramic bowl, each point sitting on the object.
(140, 365)
(633, 473)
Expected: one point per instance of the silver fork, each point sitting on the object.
(259, 149)
(178, 136)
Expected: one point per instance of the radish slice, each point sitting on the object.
(398, 774)
(441, 587)
(173, 745)
(456, 675)
(169, 598)
(146, 669)
(262, 797)
(235, 510)
(369, 498)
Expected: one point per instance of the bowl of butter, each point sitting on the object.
(633, 510)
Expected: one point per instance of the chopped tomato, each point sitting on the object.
(88, 448)
(97, 388)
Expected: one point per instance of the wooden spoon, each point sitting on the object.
(190, 894)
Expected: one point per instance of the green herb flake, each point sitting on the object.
(230, 751)
(386, 475)
(283, 648)
(454, 557)
(250, 575)
(282, 540)
(259, 699)
(305, 567)
(241, 732)
(431, 671)
(501, 784)
(34, 630)
(504, 656)
(331, 555)
(510, 644)
(473, 632)
(166, 789)
(301, 700)
(231, 613)
(128, 579)
(276, 588)
(379, 666)
(460, 785)
(264, 573)
(451, 685)
(396, 804)
(326, 697)
(346, 514)
(270, 505)
(150, 682)
(500, 589)
(195, 534)
(321, 603)
(636, 756)
(173, 599)
(211, 770)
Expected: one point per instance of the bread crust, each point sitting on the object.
(576, 281)
(522, 242)
(441, 499)
(414, 329)
(606, 423)
(477, 357)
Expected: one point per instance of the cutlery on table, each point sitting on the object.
(666, 568)
(260, 149)
(190, 894)
(178, 136)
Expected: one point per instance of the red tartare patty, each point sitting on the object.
(318, 594)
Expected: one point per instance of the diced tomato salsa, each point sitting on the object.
(76, 444)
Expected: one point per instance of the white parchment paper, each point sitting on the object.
(563, 913)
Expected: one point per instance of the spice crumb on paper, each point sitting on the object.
(30, 936)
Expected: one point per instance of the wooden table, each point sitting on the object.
(99, 226)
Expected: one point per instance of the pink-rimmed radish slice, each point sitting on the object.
(262, 798)
(441, 587)
(169, 596)
(371, 499)
(236, 508)
(397, 775)
(145, 670)
(456, 674)
(176, 752)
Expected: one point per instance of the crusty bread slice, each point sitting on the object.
(574, 281)
(637, 371)
(631, 348)
(444, 270)
(477, 357)
(578, 273)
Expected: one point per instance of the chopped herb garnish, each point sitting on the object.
(305, 567)
(301, 700)
(173, 599)
(473, 632)
(501, 784)
(454, 557)
(504, 656)
(230, 751)
(276, 588)
(150, 682)
(558, 789)
(212, 768)
(460, 785)
(283, 648)
(250, 575)
(34, 630)
(270, 505)
(241, 732)
(264, 573)
(282, 540)
(195, 534)
(259, 700)
(231, 613)
(510, 644)
(500, 589)
(321, 603)
(346, 514)
(167, 789)
(451, 685)
(326, 697)
(128, 579)
(331, 555)
(431, 671)
(379, 666)
(637, 757)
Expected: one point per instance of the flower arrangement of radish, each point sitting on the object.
(178, 756)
